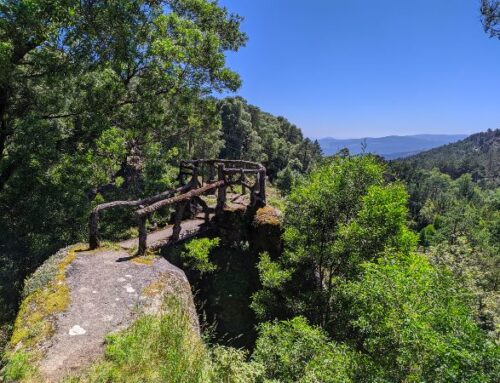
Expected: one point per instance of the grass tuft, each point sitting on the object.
(147, 259)
(165, 348)
(162, 348)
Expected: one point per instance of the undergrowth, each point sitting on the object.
(166, 348)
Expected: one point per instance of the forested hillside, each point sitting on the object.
(478, 155)
(255, 135)
(454, 205)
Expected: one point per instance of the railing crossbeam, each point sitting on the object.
(181, 197)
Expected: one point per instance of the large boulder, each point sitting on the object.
(78, 297)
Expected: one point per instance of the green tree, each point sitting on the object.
(339, 216)
(99, 99)
(241, 140)
(294, 351)
(251, 134)
(415, 324)
(285, 348)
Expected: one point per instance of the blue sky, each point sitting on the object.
(356, 68)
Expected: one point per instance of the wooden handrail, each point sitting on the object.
(180, 198)
(192, 191)
(94, 215)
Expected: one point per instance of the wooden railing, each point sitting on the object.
(206, 177)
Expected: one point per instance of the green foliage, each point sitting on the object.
(251, 134)
(478, 272)
(385, 313)
(18, 368)
(409, 322)
(166, 348)
(271, 274)
(294, 351)
(285, 348)
(196, 254)
(98, 101)
(230, 366)
(458, 219)
(336, 363)
(339, 216)
(415, 324)
(289, 176)
(477, 155)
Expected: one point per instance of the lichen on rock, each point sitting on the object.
(45, 294)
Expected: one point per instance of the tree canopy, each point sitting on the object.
(100, 97)
(490, 11)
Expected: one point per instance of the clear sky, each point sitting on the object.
(356, 68)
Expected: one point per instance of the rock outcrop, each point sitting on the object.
(78, 297)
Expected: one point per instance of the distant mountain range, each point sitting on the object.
(390, 147)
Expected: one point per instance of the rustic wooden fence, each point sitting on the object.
(206, 176)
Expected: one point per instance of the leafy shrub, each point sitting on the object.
(167, 349)
(197, 254)
(416, 325)
(285, 348)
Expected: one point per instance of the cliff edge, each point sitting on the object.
(77, 297)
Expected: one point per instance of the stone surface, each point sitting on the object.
(158, 237)
(108, 290)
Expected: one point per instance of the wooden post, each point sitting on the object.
(194, 177)
(243, 188)
(262, 186)
(205, 208)
(143, 234)
(179, 212)
(182, 180)
(202, 173)
(211, 172)
(94, 229)
(253, 192)
(221, 191)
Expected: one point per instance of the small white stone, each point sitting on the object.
(117, 299)
(121, 279)
(129, 289)
(94, 292)
(76, 330)
(128, 275)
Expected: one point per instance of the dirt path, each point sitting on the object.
(107, 292)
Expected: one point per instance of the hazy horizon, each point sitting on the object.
(392, 135)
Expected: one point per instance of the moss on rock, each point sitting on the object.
(45, 294)
(267, 215)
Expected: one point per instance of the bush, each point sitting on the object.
(167, 349)
(285, 348)
(416, 325)
(197, 254)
